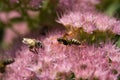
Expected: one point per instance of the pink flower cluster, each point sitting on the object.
(90, 62)
(86, 62)
(79, 5)
(90, 21)
(6, 16)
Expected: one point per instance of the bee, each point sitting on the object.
(68, 41)
(33, 44)
(8, 61)
(4, 63)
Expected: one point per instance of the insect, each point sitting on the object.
(8, 61)
(68, 41)
(4, 63)
(33, 44)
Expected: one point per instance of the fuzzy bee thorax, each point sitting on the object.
(28, 41)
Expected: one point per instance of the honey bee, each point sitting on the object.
(8, 61)
(4, 63)
(68, 41)
(33, 44)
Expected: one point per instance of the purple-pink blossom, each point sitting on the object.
(91, 62)
(90, 21)
(78, 5)
(86, 62)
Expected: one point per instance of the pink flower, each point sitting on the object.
(90, 21)
(77, 5)
(6, 16)
(21, 28)
(90, 62)
(35, 3)
(9, 36)
(86, 62)
(3, 17)
(13, 14)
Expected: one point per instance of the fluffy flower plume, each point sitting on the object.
(77, 5)
(90, 21)
(88, 62)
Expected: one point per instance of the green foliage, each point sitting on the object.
(5, 5)
(110, 7)
(48, 12)
(96, 37)
(104, 4)
(117, 13)
(118, 42)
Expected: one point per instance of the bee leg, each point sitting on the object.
(36, 50)
(31, 48)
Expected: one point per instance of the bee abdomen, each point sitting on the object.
(69, 41)
(8, 61)
(64, 41)
(76, 42)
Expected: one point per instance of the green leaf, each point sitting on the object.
(48, 12)
(110, 7)
(118, 43)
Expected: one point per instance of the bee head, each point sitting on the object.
(62, 40)
(39, 44)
